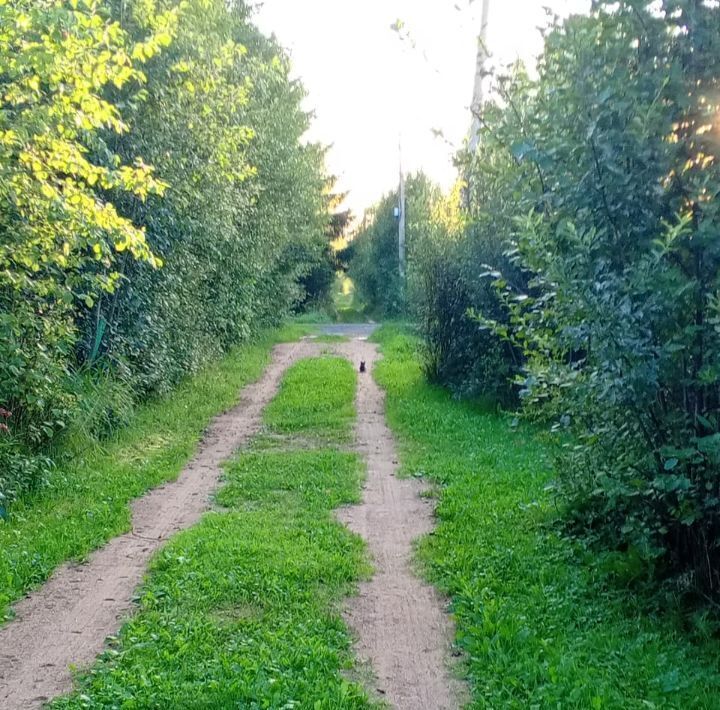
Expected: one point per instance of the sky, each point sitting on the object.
(371, 91)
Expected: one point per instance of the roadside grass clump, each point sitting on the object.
(86, 502)
(315, 401)
(542, 622)
(243, 609)
(314, 316)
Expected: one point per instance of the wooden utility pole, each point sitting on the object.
(478, 96)
(401, 225)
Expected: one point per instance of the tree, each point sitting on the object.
(480, 75)
(85, 224)
(59, 239)
(619, 320)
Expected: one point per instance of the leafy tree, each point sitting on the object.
(233, 219)
(375, 264)
(59, 241)
(617, 230)
(222, 118)
(586, 268)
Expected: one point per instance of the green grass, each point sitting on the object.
(344, 294)
(313, 317)
(328, 338)
(541, 623)
(242, 610)
(88, 501)
(315, 400)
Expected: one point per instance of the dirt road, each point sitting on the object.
(67, 620)
(401, 628)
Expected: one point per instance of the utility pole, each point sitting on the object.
(478, 95)
(401, 225)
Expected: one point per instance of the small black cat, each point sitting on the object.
(362, 365)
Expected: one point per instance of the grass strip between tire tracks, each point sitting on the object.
(243, 609)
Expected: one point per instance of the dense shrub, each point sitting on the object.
(471, 360)
(446, 252)
(375, 265)
(590, 242)
(60, 239)
(621, 332)
(236, 227)
(318, 283)
(373, 254)
(611, 157)
(105, 262)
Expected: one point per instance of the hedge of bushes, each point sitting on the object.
(157, 206)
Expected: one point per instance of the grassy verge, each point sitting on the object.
(242, 610)
(315, 401)
(541, 623)
(88, 501)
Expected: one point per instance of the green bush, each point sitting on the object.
(460, 353)
(373, 255)
(446, 251)
(239, 224)
(374, 264)
(586, 267)
(60, 237)
(103, 262)
(617, 222)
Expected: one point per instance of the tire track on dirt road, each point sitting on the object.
(67, 620)
(402, 630)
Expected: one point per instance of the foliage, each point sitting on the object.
(374, 267)
(586, 269)
(319, 281)
(373, 253)
(542, 622)
(222, 118)
(104, 403)
(243, 609)
(447, 248)
(59, 240)
(446, 292)
(92, 95)
(619, 323)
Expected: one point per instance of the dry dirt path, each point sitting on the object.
(67, 620)
(402, 631)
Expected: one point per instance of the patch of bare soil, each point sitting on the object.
(66, 621)
(399, 621)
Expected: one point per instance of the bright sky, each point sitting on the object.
(367, 87)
